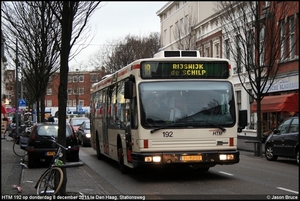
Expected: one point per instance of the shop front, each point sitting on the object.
(276, 108)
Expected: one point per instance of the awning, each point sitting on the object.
(279, 103)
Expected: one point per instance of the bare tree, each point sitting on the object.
(31, 25)
(118, 54)
(256, 45)
(73, 16)
(184, 33)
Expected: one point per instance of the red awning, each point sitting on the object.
(279, 103)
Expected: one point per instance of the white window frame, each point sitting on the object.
(207, 50)
(81, 78)
(216, 49)
(75, 78)
(292, 37)
(282, 40)
(262, 46)
(81, 102)
(227, 49)
(81, 90)
(49, 103)
(69, 103)
(70, 91)
(49, 91)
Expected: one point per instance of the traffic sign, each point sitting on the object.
(22, 103)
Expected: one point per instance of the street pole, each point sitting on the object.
(16, 91)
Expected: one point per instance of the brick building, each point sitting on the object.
(79, 83)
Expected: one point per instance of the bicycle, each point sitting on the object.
(51, 180)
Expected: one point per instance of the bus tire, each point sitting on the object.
(123, 168)
(99, 155)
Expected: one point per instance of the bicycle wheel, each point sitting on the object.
(17, 149)
(50, 182)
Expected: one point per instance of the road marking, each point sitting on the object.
(225, 173)
(296, 192)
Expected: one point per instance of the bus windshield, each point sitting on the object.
(187, 104)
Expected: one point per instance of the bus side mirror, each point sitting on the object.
(128, 90)
(242, 120)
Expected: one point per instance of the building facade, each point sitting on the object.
(208, 36)
(79, 84)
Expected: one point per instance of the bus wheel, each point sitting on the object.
(99, 155)
(122, 166)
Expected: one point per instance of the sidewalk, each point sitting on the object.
(79, 179)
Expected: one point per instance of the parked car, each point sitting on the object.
(284, 141)
(40, 149)
(77, 121)
(84, 134)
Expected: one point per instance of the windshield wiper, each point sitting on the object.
(218, 126)
(170, 125)
(210, 123)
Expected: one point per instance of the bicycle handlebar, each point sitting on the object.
(61, 146)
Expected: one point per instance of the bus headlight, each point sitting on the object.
(155, 159)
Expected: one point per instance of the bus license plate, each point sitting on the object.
(50, 153)
(191, 158)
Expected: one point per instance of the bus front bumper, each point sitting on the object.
(205, 158)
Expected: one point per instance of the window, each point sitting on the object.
(176, 34)
(262, 47)
(238, 55)
(69, 91)
(49, 91)
(181, 25)
(75, 78)
(69, 78)
(282, 39)
(74, 103)
(217, 50)
(81, 102)
(49, 103)
(292, 37)
(69, 103)
(81, 90)
(81, 78)
(207, 50)
(227, 49)
(94, 77)
(250, 50)
(75, 91)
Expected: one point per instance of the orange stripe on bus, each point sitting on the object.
(145, 143)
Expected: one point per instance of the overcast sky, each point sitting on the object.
(115, 20)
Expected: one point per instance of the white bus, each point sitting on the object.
(176, 108)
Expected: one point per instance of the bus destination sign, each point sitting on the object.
(186, 69)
